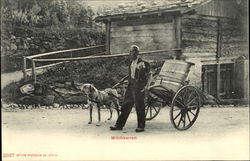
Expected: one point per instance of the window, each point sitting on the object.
(226, 81)
(209, 80)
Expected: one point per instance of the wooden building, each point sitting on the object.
(210, 33)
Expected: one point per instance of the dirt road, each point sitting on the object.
(219, 133)
(7, 78)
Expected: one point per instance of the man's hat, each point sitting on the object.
(135, 48)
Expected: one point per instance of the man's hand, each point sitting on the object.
(145, 89)
(141, 65)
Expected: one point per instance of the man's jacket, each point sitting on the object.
(142, 73)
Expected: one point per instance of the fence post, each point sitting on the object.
(218, 55)
(24, 68)
(33, 70)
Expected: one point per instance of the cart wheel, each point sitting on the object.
(153, 106)
(185, 107)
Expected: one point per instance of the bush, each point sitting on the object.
(102, 73)
(32, 41)
(31, 27)
(11, 92)
(11, 63)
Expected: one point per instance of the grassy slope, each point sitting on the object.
(102, 73)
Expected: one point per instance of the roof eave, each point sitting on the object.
(194, 8)
(182, 10)
(118, 16)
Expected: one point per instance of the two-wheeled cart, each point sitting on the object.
(169, 88)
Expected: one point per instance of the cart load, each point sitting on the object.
(169, 88)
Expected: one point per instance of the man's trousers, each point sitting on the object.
(133, 96)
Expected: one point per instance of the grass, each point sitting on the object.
(103, 73)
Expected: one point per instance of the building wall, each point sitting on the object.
(199, 36)
(219, 8)
(148, 33)
(242, 81)
(234, 42)
(199, 43)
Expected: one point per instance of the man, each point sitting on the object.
(139, 74)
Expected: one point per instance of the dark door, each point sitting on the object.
(226, 81)
(209, 80)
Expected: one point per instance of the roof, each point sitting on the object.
(138, 7)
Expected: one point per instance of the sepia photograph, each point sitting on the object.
(125, 80)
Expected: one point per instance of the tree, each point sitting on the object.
(41, 13)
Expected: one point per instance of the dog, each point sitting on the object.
(105, 97)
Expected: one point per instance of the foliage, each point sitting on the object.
(36, 26)
(102, 73)
(11, 92)
(47, 12)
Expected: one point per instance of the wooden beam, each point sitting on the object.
(218, 55)
(24, 68)
(178, 31)
(138, 22)
(219, 40)
(81, 58)
(223, 60)
(178, 34)
(215, 17)
(46, 66)
(107, 41)
(120, 16)
(54, 64)
(203, 17)
(33, 70)
(61, 51)
(103, 56)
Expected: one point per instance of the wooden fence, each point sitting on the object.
(70, 53)
(99, 55)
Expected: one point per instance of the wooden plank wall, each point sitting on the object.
(234, 43)
(219, 8)
(199, 36)
(148, 34)
(199, 44)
